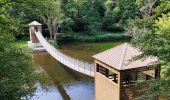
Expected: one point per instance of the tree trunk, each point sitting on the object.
(55, 38)
(51, 35)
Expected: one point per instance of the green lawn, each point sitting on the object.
(21, 43)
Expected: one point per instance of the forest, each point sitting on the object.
(145, 23)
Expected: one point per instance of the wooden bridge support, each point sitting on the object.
(34, 42)
(38, 39)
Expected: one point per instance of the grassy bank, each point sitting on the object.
(81, 37)
(98, 37)
(22, 43)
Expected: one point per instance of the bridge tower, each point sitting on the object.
(34, 42)
(116, 74)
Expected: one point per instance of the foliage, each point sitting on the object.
(136, 26)
(146, 7)
(163, 25)
(121, 10)
(152, 37)
(21, 44)
(86, 16)
(156, 43)
(23, 12)
(117, 13)
(52, 16)
(84, 13)
(16, 76)
(163, 8)
(92, 38)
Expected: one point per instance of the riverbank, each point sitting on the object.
(58, 81)
(85, 46)
(98, 37)
(21, 43)
(65, 83)
(100, 41)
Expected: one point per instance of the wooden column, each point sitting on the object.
(158, 72)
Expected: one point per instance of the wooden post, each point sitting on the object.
(120, 78)
(157, 72)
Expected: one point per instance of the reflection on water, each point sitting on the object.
(58, 81)
(66, 84)
(61, 83)
(43, 94)
(84, 51)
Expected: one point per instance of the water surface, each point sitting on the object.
(58, 82)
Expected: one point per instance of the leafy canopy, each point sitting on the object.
(16, 76)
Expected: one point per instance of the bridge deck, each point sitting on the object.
(75, 64)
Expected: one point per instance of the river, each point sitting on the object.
(58, 82)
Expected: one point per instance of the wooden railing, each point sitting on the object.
(75, 64)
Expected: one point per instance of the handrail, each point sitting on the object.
(73, 63)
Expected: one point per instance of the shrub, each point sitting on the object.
(100, 36)
(116, 27)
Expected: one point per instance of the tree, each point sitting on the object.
(84, 13)
(52, 17)
(89, 13)
(16, 77)
(145, 21)
(118, 12)
(163, 8)
(24, 12)
(136, 26)
(151, 34)
(146, 8)
(157, 43)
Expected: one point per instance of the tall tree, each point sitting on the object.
(84, 13)
(16, 76)
(146, 8)
(122, 10)
(153, 38)
(118, 12)
(52, 16)
(23, 12)
(157, 43)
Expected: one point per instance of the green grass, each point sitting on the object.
(21, 43)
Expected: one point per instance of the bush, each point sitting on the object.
(116, 27)
(98, 37)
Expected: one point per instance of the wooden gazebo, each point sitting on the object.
(116, 72)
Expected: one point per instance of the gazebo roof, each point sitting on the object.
(121, 57)
(34, 23)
